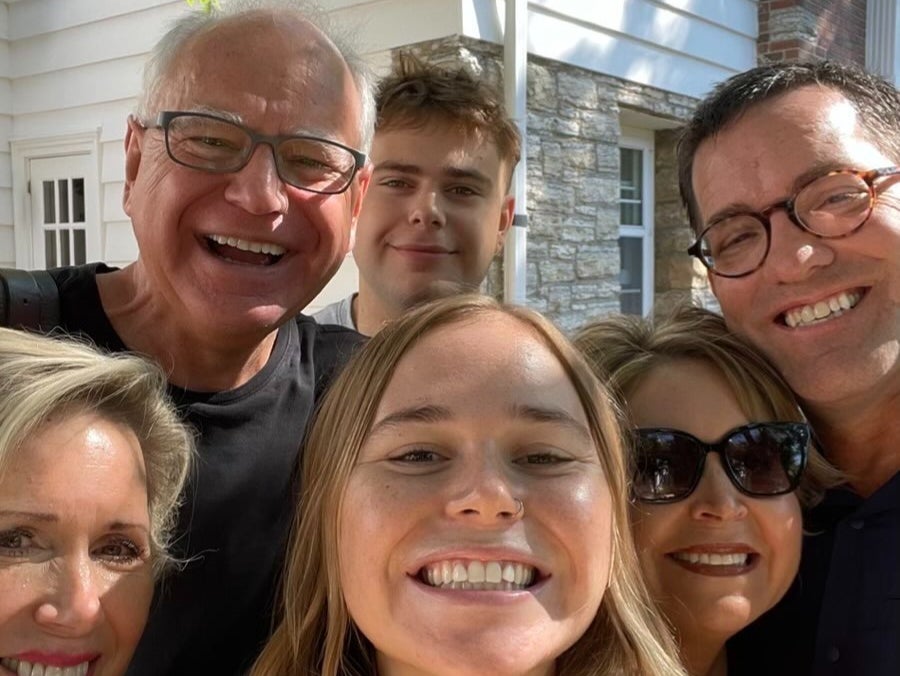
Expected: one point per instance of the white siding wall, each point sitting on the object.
(7, 245)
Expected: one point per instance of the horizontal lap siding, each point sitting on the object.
(7, 244)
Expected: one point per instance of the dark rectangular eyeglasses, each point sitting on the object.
(214, 144)
(760, 459)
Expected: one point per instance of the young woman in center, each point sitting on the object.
(463, 512)
(718, 457)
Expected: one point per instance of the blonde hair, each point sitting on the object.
(623, 349)
(43, 377)
(316, 634)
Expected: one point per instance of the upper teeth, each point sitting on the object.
(245, 245)
(482, 575)
(712, 559)
(23, 668)
(833, 306)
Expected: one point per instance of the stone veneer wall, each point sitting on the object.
(573, 184)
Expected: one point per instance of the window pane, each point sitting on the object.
(631, 274)
(63, 200)
(631, 186)
(50, 260)
(64, 258)
(80, 247)
(49, 202)
(77, 200)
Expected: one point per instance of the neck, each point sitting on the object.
(198, 358)
(704, 657)
(861, 439)
(370, 313)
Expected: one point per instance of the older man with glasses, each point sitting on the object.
(789, 175)
(245, 167)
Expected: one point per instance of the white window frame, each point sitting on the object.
(25, 150)
(644, 140)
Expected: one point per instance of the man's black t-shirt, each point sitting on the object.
(213, 615)
(841, 617)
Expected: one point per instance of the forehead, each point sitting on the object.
(761, 156)
(270, 70)
(487, 363)
(438, 145)
(687, 394)
(91, 442)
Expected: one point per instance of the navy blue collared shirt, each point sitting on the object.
(841, 617)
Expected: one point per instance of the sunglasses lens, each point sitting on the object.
(768, 459)
(666, 466)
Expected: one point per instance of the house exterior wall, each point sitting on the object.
(76, 69)
(798, 30)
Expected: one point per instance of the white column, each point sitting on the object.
(515, 53)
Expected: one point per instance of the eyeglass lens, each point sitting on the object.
(760, 460)
(831, 206)
(216, 145)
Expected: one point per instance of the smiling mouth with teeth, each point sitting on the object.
(23, 668)
(478, 575)
(824, 310)
(711, 559)
(245, 251)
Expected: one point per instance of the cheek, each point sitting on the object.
(651, 526)
(374, 518)
(19, 585)
(582, 516)
(126, 605)
(782, 524)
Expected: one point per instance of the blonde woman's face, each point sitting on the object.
(75, 573)
(442, 568)
(717, 559)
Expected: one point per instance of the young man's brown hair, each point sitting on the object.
(417, 94)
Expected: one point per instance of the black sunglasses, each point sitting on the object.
(760, 459)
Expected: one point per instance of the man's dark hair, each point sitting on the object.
(876, 101)
(417, 94)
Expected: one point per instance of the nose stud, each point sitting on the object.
(520, 508)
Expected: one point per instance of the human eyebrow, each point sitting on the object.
(817, 170)
(400, 167)
(468, 174)
(119, 526)
(30, 516)
(413, 414)
(217, 112)
(554, 416)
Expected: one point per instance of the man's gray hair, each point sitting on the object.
(166, 52)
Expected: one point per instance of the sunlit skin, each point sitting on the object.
(436, 213)
(477, 415)
(76, 578)
(846, 369)
(706, 608)
(210, 319)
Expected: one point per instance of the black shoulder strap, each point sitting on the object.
(28, 300)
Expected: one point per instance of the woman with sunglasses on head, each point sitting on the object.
(718, 483)
(464, 513)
